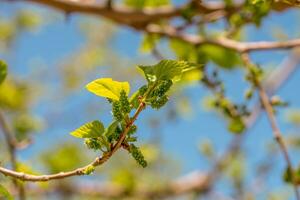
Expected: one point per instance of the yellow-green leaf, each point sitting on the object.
(92, 129)
(106, 87)
(3, 71)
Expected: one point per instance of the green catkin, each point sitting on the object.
(137, 155)
(124, 103)
(116, 110)
(92, 143)
(159, 102)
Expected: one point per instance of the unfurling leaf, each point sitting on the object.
(89, 170)
(92, 129)
(106, 87)
(3, 71)
(166, 70)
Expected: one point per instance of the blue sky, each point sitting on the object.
(179, 138)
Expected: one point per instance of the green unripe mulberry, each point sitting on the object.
(116, 111)
(124, 102)
(162, 88)
(92, 143)
(138, 156)
(159, 102)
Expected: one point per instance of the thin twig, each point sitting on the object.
(11, 144)
(275, 128)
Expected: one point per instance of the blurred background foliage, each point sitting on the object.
(43, 99)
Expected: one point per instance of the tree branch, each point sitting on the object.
(80, 171)
(141, 19)
(241, 47)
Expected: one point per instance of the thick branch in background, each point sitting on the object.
(140, 19)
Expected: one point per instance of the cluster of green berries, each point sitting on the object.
(158, 95)
(162, 88)
(122, 107)
(92, 143)
(159, 102)
(137, 155)
(124, 103)
(116, 111)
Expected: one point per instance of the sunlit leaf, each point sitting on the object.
(106, 87)
(92, 129)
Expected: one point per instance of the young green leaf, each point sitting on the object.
(92, 129)
(4, 194)
(106, 87)
(89, 170)
(3, 71)
(165, 70)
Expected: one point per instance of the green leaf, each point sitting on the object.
(223, 57)
(111, 128)
(92, 129)
(166, 70)
(4, 194)
(3, 71)
(106, 87)
(149, 42)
